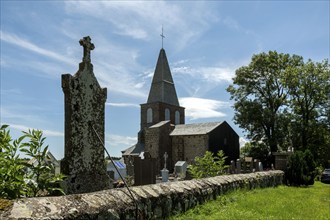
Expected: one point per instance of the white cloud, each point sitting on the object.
(20, 42)
(115, 140)
(46, 133)
(242, 141)
(123, 104)
(197, 108)
(209, 74)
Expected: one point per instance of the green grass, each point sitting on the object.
(283, 202)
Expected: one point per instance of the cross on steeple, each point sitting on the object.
(88, 46)
(162, 35)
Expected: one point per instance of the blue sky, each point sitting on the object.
(205, 42)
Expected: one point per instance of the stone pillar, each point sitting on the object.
(84, 163)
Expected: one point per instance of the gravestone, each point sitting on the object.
(83, 162)
(232, 167)
(181, 169)
(164, 171)
(238, 166)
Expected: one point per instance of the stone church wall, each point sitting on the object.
(188, 147)
(157, 201)
(158, 142)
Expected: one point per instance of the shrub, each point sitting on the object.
(12, 183)
(208, 165)
(18, 177)
(300, 169)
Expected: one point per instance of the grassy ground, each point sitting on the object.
(270, 203)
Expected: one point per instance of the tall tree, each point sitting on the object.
(260, 96)
(308, 88)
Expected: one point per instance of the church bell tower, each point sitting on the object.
(162, 103)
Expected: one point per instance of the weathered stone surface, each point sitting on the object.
(83, 161)
(157, 201)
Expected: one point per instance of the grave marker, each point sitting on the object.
(83, 162)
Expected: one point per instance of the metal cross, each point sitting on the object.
(162, 35)
(165, 158)
(88, 46)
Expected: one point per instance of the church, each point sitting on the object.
(163, 127)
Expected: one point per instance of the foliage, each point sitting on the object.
(12, 183)
(300, 169)
(257, 150)
(285, 203)
(308, 88)
(208, 165)
(19, 177)
(284, 102)
(259, 96)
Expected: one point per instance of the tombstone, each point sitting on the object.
(164, 171)
(260, 167)
(144, 170)
(249, 164)
(256, 165)
(181, 169)
(238, 166)
(281, 159)
(83, 162)
(232, 167)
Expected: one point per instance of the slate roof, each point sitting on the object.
(159, 124)
(162, 87)
(135, 150)
(194, 129)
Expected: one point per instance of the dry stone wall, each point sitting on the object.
(157, 201)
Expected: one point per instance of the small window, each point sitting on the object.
(149, 115)
(167, 114)
(225, 141)
(177, 117)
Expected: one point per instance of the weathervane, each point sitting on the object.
(162, 35)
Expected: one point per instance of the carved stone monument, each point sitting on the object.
(164, 171)
(83, 162)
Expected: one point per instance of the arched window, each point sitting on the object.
(167, 114)
(177, 117)
(149, 115)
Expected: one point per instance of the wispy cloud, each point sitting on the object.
(119, 141)
(129, 18)
(25, 44)
(209, 74)
(49, 133)
(122, 104)
(197, 108)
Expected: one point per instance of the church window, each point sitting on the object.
(177, 117)
(149, 115)
(167, 114)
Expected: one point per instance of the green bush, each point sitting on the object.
(300, 169)
(208, 165)
(20, 178)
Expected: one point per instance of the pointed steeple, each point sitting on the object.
(162, 86)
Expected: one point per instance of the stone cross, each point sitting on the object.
(165, 158)
(88, 46)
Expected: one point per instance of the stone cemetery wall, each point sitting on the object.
(157, 201)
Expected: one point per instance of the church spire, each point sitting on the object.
(162, 87)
